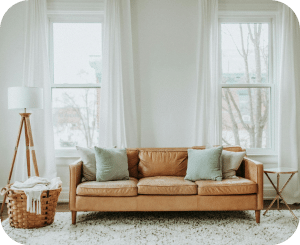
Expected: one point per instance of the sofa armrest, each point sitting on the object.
(254, 171)
(75, 179)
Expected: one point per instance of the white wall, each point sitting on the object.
(11, 68)
(164, 40)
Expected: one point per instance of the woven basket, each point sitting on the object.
(17, 209)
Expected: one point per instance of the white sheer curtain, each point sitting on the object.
(118, 117)
(207, 109)
(289, 100)
(36, 74)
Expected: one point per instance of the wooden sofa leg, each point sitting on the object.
(257, 216)
(74, 213)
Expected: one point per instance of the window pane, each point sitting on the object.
(77, 51)
(245, 53)
(75, 116)
(245, 117)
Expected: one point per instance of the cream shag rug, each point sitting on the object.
(161, 228)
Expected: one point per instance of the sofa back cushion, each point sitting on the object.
(162, 162)
(133, 161)
(150, 162)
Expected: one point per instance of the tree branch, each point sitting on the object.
(238, 111)
(234, 43)
(234, 123)
(226, 142)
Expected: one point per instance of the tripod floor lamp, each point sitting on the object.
(24, 98)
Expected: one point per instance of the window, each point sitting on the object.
(247, 84)
(76, 67)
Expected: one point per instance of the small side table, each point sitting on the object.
(279, 171)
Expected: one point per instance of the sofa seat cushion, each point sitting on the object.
(166, 185)
(117, 188)
(236, 186)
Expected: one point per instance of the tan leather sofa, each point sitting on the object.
(157, 184)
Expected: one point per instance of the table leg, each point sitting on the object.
(289, 208)
(279, 194)
(268, 208)
(278, 190)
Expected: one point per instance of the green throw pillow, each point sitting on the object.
(204, 164)
(111, 164)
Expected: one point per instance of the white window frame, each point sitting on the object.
(229, 17)
(75, 17)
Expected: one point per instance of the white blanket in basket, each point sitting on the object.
(33, 188)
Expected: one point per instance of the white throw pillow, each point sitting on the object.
(231, 161)
(87, 156)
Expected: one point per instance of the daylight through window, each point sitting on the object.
(246, 85)
(77, 71)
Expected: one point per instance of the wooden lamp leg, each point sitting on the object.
(27, 150)
(13, 162)
(16, 150)
(31, 145)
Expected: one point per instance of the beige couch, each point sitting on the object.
(157, 184)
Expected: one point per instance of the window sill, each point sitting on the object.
(66, 153)
(262, 155)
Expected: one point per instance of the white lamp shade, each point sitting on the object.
(25, 97)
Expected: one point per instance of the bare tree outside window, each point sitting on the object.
(77, 65)
(245, 109)
(76, 116)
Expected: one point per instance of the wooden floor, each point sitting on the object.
(64, 207)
